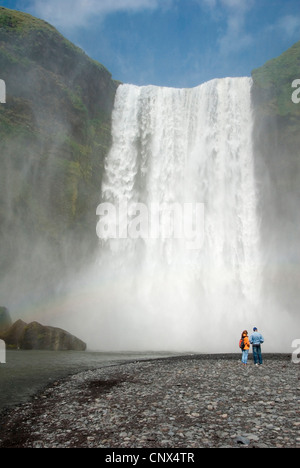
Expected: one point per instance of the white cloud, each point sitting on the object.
(209, 3)
(290, 25)
(237, 4)
(233, 14)
(235, 37)
(70, 14)
(230, 4)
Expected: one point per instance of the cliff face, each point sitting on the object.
(55, 133)
(277, 155)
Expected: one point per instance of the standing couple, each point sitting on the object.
(256, 339)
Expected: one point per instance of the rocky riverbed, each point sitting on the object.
(182, 402)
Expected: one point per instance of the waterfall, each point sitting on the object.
(181, 248)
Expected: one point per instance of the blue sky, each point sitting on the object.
(178, 43)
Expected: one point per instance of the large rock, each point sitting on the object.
(34, 336)
(37, 336)
(5, 320)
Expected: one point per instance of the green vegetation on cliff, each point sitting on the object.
(277, 158)
(274, 81)
(273, 95)
(55, 132)
(278, 117)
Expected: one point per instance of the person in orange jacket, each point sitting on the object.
(245, 346)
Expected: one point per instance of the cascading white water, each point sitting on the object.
(183, 147)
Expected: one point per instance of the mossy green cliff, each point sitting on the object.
(277, 159)
(55, 132)
(273, 94)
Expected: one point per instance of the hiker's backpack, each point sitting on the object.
(242, 344)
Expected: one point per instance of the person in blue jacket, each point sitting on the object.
(256, 339)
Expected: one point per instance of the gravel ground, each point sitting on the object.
(182, 402)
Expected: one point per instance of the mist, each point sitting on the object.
(57, 111)
(207, 146)
(140, 295)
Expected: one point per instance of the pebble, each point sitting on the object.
(195, 402)
(242, 440)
